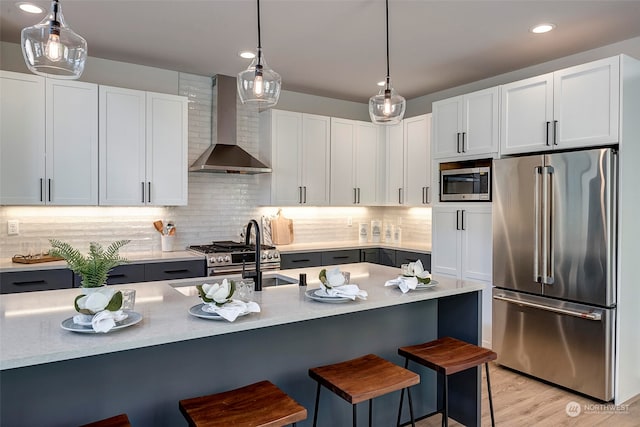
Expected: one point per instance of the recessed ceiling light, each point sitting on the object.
(30, 8)
(247, 54)
(542, 28)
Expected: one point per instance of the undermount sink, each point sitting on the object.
(268, 280)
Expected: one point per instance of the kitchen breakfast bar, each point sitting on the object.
(54, 377)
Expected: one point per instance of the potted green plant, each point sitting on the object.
(94, 268)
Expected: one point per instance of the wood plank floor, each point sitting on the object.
(522, 401)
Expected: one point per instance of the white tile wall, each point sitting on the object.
(219, 204)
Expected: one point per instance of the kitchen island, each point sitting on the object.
(144, 370)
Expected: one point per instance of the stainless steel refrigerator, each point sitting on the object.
(554, 267)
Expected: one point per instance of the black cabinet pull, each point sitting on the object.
(300, 260)
(457, 220)
(458, 142)
(555, 132)
(41, 187)
(340, 257)
(305, 194)
(49, 184)
(111, 275)
(30, 282)
(149, 193)
(547, 137)
(464, 137)
(182, 270)
(142, 183)
(299, 194)
(462, 215)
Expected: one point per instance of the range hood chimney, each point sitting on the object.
(226, 156)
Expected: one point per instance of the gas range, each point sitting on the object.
(228, 257)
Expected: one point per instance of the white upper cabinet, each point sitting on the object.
(355, 156)
(571, 108)
(48, 142)
(408, 162)
(299, 151)
(143, 148)
(167, 149)
(72, 143)
(22, 139)
(417, 143)
(466, 125)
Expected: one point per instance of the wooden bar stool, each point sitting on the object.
(448, 356)
(118, 421)
(259, 404)
(362, 379)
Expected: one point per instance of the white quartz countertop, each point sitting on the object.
(31, 333)
(6, 265)
(328, 246)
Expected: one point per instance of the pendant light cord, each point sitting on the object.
(388, 74)
(259, 41)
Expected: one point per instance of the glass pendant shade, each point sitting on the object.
(50, 48)
(259, 84)
(387, 107)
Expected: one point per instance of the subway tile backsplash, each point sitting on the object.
(219, 204)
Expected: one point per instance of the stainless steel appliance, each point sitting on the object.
(465, 181)
(554, 267)
(228, 257)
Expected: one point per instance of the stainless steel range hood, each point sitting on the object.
(226, 156)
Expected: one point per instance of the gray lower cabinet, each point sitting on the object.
(341, 257)
(388, 257)
(300, 260)
(174, 270)
(37, 280)
(371, 255)
(404, 257)
(127, 273)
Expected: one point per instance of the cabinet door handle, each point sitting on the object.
(399, 196)
(142, 185)
(457, 219)
(547, 137)
(149, 193)
(340, 257)
(358, 195)
(464, 137)
(300, 260)
(182, 270)
(30, 282)
(41, 190)
(355, 195)
(555, 132)
(426, 195)
(458, 142)
(305, 194)
(300, 195)
(462, 216)
(49, 189)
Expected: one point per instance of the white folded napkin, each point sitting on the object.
(351, 291)
(405, 283)
(232, 309)
(103, 321)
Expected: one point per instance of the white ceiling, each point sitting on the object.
(336, 48)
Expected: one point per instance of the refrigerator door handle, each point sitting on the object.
(536, 224)
(551, 246)
(545, 227)
(583, 315)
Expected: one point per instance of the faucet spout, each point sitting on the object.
(247, 240)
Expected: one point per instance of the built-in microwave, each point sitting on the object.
(465, 181)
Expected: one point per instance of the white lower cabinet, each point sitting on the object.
(462, 248)
(48, 141)
(143, 148)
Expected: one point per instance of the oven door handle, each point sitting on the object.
(583, 315)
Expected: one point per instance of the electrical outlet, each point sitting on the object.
(13, 227)
(349, 221)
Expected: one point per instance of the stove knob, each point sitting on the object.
(264, 256)
(270, 256)
(276, 255)
(227, 258)
(220, 259)
(212, 260)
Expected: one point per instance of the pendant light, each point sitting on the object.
(259, 84)
(52, 49)
(387, 107)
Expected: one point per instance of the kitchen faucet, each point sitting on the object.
(257, 276)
